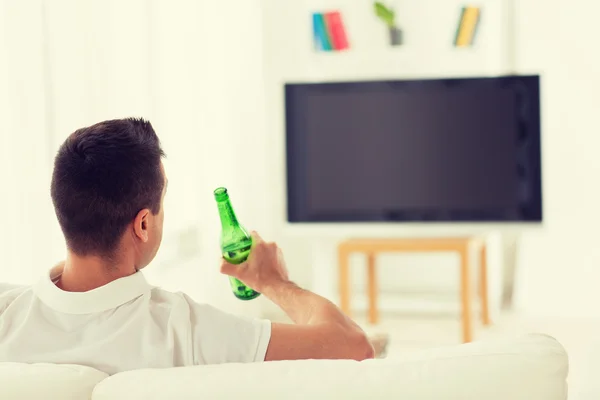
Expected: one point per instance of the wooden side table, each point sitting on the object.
(464, 246)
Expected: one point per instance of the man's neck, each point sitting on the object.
(81, 274)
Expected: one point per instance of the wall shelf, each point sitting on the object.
(405, 62)
(428, 51)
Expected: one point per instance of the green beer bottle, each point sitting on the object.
(235, 243)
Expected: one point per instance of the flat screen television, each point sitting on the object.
(435, 150)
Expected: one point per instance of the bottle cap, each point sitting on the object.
(221, 193)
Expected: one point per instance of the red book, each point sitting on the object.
(336, 30)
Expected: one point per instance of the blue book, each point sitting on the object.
(321, 36)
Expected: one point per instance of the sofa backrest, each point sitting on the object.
(47, 381)
(533, 367)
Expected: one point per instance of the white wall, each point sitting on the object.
(24, 153)
(559, 267)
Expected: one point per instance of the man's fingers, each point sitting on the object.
(228, 268)
(256, 239)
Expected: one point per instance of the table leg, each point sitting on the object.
(465, 290)
(483, 285)
(344, 281)
(372, 289)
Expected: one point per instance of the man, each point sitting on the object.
(97, 309)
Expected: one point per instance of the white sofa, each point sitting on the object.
(532, 367)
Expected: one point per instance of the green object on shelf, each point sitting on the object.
(236, 243)
(386, 14)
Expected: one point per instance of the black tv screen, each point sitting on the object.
(437, 150)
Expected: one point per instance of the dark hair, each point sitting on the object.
(103, 176)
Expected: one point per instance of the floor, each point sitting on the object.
(581, 338)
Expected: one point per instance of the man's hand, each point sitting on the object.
(265, 267)
(321, 330)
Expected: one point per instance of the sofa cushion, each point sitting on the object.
(47, 381)
(533, 367)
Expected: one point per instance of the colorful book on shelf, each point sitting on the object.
(321, 36)
(467, 26)
(336, 30)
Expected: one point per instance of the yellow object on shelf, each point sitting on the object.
(467, 26)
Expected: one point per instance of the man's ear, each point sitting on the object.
(140, 225)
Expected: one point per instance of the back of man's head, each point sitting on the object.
(103, 176)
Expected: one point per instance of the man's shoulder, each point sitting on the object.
(170, 299)
(10, 292)
(166, 299)
(12, 289)
(161, 294)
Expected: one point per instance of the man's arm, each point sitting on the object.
(320, 329)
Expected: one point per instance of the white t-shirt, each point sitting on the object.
(122, 326)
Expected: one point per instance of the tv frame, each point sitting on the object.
(534, 126)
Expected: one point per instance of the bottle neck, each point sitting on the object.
(228, 218)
